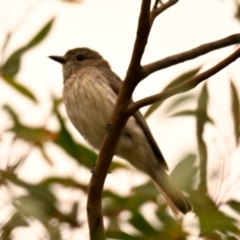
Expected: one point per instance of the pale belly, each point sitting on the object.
(89, 105)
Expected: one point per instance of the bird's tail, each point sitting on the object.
(174, 197)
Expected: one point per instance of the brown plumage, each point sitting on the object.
(89, 94)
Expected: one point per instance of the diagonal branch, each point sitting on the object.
(158, 10)
(188, 55)
(184, 87)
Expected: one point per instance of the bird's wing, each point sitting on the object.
(141, 121)
(116, 83)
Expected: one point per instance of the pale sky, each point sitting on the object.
(109, 27)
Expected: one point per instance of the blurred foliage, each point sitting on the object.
(180, 79)
(12, 65)
(40, 203)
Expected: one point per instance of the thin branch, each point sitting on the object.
(158, 10)
(184, 87)
(143, 30)
(118, 120)
(155, 6)
(188, 55)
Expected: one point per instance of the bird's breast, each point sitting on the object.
(89, 102)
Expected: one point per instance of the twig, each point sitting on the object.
(188, 55)
(140, 43)
(155, 4)
(158, 10)
(184, 87)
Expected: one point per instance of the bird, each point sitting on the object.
(90, 90)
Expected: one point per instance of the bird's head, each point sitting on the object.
(78, 58)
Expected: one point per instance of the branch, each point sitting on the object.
(158, 10)
(122, 111)
(188, 55)
(118, 121)
(143, 31)
(184, 87)
(155, 6)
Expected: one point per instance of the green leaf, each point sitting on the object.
(30, 206)
(185, 171)
(147, 189)
(235, 112)
(191, 113)
(33, 135)
(17, 220)
(180, 79)
(178, 101)
(20, 88)
(202, 115)
(237, 14)
(12, 113)
(184, 113)
(141, 224)
(171, 228)
(235, 205)
(38, 191)
(202, 119)
(65, 182)
(12, 65)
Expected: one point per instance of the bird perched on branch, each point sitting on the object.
(89, 94)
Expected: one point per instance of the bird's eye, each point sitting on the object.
(79, 57)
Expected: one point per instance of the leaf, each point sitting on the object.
(142, 194)
(219, 222)
(184, 113)
(44, 154)
(185, 171)
(202, 118)
(235, 112)
(20, 88)
(237, 14)
(235, 205)
(30, 206)
(142, 225)
(12, 65)
(180, 79)
(178, 101)
(202, 115)
(171, 228)
(17, 220)
(37, 136)
(38, 191)
(148, 189)
(29, 134)
(11, 112)
(191, 113)
(65, 182)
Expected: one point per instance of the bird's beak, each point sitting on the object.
(59, 59)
